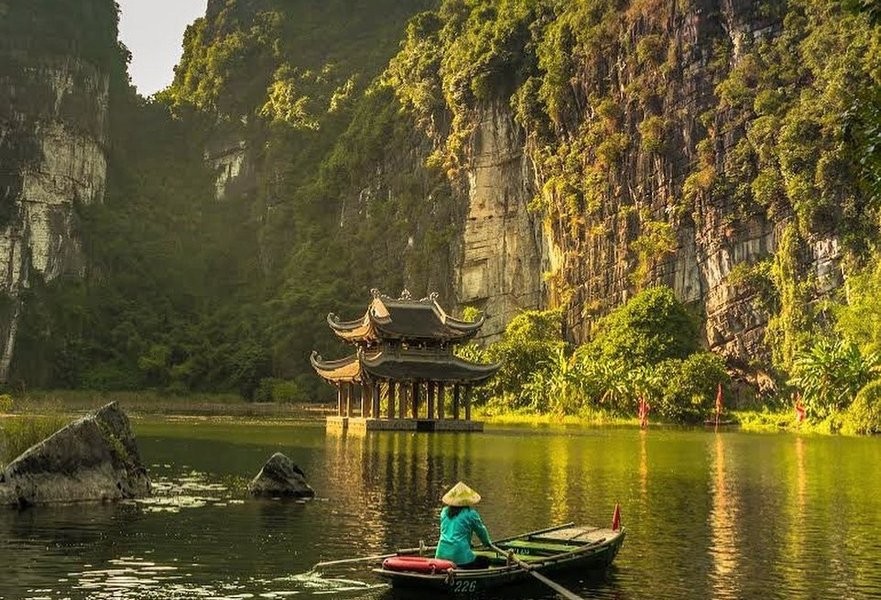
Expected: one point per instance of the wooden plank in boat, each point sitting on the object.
(541, 545)
(564, 535)
(576, 534)
(500, 560)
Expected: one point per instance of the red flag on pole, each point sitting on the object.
(643, 413)
(718, 401)
(799, 410)
(616, 518)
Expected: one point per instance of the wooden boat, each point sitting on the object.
(561, 548)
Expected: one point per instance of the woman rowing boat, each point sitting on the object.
(459, 520)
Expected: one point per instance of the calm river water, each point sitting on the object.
(727, 515)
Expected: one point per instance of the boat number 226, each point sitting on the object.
(464, 586)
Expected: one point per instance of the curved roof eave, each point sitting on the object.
(347, 369)
(451, 370)
(465, 326)
(352, 330)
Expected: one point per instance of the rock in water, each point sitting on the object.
(93, 458)
(280, 477)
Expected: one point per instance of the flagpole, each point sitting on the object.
(718, 405)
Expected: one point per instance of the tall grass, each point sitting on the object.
(17, 434)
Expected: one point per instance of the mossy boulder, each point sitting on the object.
(280, 477)
(92, 459)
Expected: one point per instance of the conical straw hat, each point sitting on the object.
(461, 495)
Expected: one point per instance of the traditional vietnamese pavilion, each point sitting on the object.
(403, 374)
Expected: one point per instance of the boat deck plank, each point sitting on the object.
(533, 545)
(501, 560)
(575, 534)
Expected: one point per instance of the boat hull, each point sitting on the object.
(590, 556)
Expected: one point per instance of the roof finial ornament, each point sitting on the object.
(433, 296)
(375, 293)
(405, 295)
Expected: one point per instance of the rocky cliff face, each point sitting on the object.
(53, 136)
(645, 188)
(503, 253)
(643, 177)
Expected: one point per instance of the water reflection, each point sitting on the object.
(558, 479)
(723, 524)
(643, 467)
(796, 510)
(708, 516)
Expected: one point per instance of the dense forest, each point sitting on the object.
(353, 124)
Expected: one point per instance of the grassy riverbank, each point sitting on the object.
(17, 434)
(495, 416)
(762, 421)
(147, 403)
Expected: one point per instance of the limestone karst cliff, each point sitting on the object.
(54, 97)
(702, 145)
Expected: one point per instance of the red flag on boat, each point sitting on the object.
(799, 410)
(616, 518)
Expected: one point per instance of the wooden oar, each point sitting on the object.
(373, 557)
(528, 568)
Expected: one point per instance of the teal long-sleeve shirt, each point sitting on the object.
(455, 535)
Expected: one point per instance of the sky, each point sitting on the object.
(153, 30)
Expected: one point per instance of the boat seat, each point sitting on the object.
(541, 546)
(496, 559)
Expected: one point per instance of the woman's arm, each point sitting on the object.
(479, 528)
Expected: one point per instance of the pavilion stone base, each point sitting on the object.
(362, 425)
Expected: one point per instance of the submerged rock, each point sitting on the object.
(280, 477)
(92, 459)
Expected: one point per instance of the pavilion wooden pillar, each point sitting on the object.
(402, 400)
(457, 394)
(430, 402)
(391, 399)
(365, 400)
(339, 399)
(377, 392)
(349, 393)
(468, 403)
(414, 408)
(440, 400)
